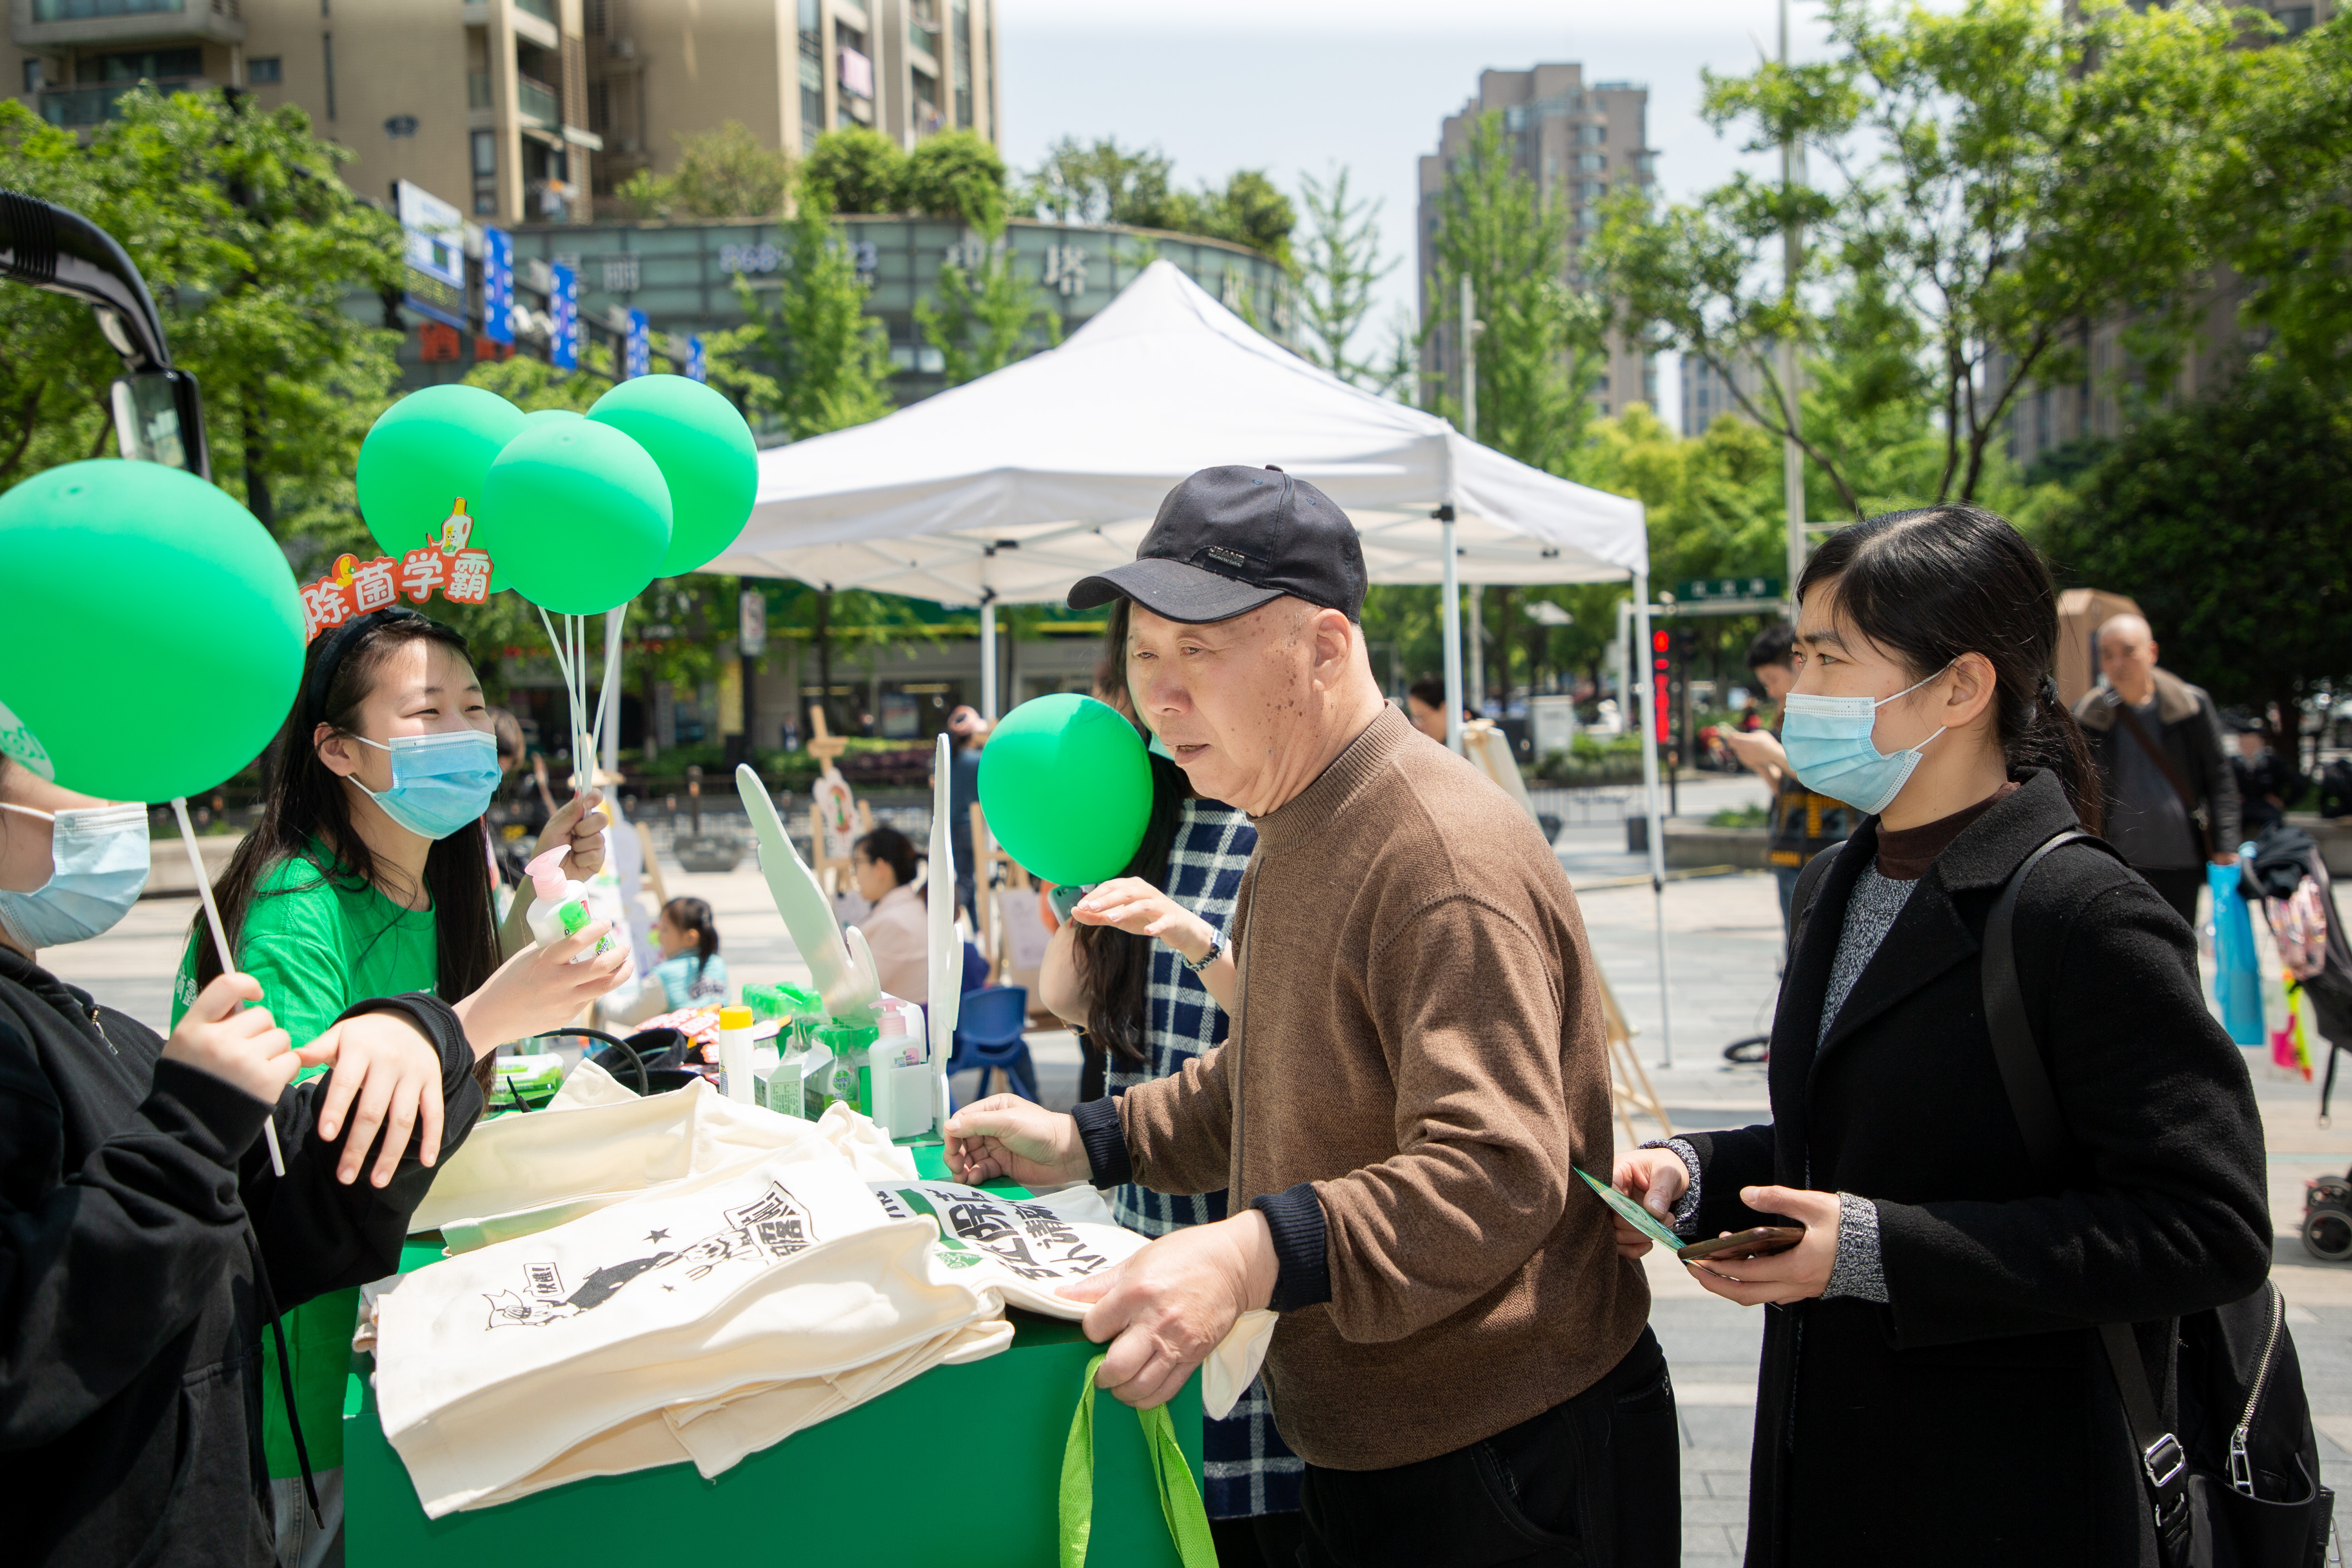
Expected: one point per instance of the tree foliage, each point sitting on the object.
(1539, 355)
(721, 174)
(990, 311)
(2224, 520)
(855, 169)
(1102, 181)
(249, 242)
(2288, 173)
(1337, 270)
(956, 174)
(813, 358)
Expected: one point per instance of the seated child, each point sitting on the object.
(691, 973)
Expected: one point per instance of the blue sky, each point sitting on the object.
(1308, 85)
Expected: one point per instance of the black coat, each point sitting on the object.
(134, 1192)
(1971, 1419)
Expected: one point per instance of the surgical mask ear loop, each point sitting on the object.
(220, 946)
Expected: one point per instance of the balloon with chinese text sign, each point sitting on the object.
(424, 454)
(155, 634)
(705, 455)
(1066, 787)
(576, 516)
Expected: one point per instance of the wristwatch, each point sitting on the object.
(1217, 945)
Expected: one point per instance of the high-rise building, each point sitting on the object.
(1577, 142)
(1708, 397)
(523, 111)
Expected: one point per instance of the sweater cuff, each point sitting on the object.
(1859, 1272)
(1687, 1208)
(1303, 1272)
(436, 1020)
(184, 1097)
(1105, 1137)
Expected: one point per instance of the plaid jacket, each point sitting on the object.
(1250, 1470)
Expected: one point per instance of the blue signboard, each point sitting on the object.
(433, 252)
(696, 368)
(639, 358)
(498, 286)
(563, 306)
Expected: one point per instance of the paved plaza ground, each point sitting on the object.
(1723, 937)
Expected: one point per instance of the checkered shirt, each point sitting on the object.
(1250, 1469)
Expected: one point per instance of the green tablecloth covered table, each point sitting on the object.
(962, 1465)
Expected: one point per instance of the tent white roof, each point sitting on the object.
(1024, 481)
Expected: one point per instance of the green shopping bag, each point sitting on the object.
(1180, 1500)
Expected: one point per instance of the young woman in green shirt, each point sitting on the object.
(369, 875)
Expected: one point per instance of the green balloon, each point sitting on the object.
(1067, 785)
(424, 453)
(705, 453)
(155, 632)
(575, 515)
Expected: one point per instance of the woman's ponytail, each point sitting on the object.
(1935, 582)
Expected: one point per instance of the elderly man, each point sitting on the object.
(1415, 1063)
(2172, 799)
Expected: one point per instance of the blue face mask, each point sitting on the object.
(97, 860)
(1828, 740)
(440, 783)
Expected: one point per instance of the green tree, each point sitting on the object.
(1540, 355)
(1338, 271)
(856, 170)
(721, 174)
(1102, 183)
(250, 241)
(2225, 520)
(813, 359)
(990, 311)
(2289, 149)
(957, 175)
(1251, 210)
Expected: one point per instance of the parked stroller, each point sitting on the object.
(2299, 901)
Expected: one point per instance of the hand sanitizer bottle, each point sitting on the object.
(561, 910)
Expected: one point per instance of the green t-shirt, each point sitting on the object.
(318, 944)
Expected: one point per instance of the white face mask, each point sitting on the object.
(97, 860)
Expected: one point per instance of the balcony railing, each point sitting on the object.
(536, 101)
(543, 9)
(477, 89)
(94, 10)
(72, 108)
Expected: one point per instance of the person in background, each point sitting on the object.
(1424, 704)
(691, 972)
(2172, 798)
(521, 809)
(2263, 782)
(1146, 976)
(1933, 1387)
(898, 928)
(363, 878)
(967, 733)
(1803, 823)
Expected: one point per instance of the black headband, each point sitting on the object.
(330, 657)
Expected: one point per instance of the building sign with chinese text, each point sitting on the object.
(498, 286)
(432, 246)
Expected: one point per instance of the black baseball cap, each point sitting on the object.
(1228, 539)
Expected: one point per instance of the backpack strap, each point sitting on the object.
(2164, 1463)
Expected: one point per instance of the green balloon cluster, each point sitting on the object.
(567, 522)
(1066, 787)
(154, 631)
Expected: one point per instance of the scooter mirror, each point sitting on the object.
(159, 417)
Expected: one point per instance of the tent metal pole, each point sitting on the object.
(1657, 834)
(1451, 616)
(988, 654)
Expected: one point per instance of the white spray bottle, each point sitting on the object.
(561, 910)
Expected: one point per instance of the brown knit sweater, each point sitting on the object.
(1418, 1036)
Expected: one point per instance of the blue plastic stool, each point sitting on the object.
(988, 1035)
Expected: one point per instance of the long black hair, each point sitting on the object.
(1932, 583)
(307, 814)
(1115, 964)
(693, 915)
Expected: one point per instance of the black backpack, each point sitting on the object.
(2242, 1489)
(2335, 789)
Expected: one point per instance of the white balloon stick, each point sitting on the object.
(220, 945)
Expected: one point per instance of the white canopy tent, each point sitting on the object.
(1012, 487)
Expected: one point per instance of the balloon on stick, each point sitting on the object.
(424, 453)
(575, 515)
(705, 455)
(154, 630)
(1066, 786)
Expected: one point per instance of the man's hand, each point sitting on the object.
(1005, 1135)
(1168, 1306)
(1757, 751)
(246, 1048)
(1659, 1179)
(387, 1079)
(2229, 859)
(579, 826)
(1799, 1274)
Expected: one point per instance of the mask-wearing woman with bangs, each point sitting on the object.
(1935, 1388)
(367, 877)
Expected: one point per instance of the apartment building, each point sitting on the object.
(523, 111)
(1708, 396)
(1577, 142)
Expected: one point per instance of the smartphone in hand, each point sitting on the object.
(1757, 1241)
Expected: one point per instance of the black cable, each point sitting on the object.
(645, 1079)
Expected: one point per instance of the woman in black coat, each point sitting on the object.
(1932, 1389)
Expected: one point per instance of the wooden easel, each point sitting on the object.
(987, 859)
(1624, 1063)
(832, 875)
